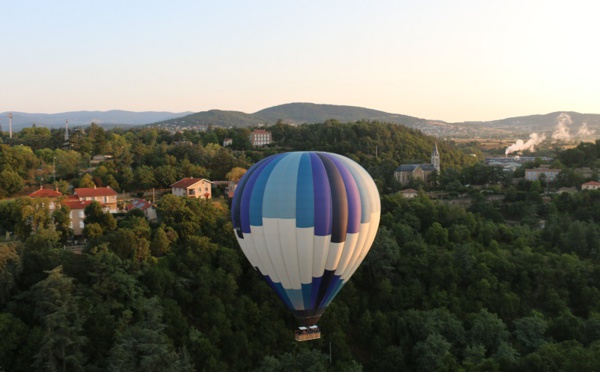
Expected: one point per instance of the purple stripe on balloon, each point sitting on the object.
(322, 197)
(339, 200)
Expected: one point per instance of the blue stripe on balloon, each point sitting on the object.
(352, 195)
(281, 188)
(314, 295)
(339, 200)
(306, 296)
(305, 195)
(258, 190)
(280, 291)
(236, 211)
(295, 297)
(246, 193)
(322, 201)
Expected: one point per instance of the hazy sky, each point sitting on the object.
(453, 60)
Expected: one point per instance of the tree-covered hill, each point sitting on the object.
(300, 113)
(510, 283)
(215, 118)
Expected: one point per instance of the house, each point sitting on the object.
(409, 193)
(147, 207)
(104, 195)
(591, 185)
(227, 142)
(409, 172)
(97, 159)
(569, 190)
(76, 203)
(193, 188)
(260, 137)
(535, 174)
(77, 207)
(47, 193)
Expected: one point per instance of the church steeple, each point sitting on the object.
(435, 158)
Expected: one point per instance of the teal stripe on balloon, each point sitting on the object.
(305, 195)
(281, 188)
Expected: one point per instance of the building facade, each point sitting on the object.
(409, 172)
(591, 185)
(260, 137)
(104, 195)
(193, 188)
(535, 174)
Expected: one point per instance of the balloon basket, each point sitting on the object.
(307, 333)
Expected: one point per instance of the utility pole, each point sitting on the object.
(54, 167)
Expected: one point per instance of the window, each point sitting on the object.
(192, 192)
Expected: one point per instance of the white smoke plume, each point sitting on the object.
(562, 131)
(520, 145)
(584, 131)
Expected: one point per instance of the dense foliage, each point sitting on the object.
(510, 284)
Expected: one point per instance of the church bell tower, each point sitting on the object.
(435, 158)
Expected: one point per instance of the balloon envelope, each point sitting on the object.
(305, 221)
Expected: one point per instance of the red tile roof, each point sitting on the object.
(96, 191)
(140, 204)
(45, 193)
(592, 183)
(187, 182)
(76, 204)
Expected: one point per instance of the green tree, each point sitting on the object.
(11, 267)
(160, 244)
(529, 331)
(58, 313)
(87, 181)
(62, 222)
(10, 182)
(95, 214)
(431, 352)
(143, 345)
(144, 177)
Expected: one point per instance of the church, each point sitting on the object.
(408, 172)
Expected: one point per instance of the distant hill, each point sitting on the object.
(291, 113)
(216, 118)
(572, 125)
(300, 113)
(110, 118)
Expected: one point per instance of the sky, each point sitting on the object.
(454, 60)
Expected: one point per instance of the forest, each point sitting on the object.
(500, 284)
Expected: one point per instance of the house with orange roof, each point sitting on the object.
(104, 195)
(591, 185)
(49, 194)
(193, 188)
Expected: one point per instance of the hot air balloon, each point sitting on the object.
(305, 221)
